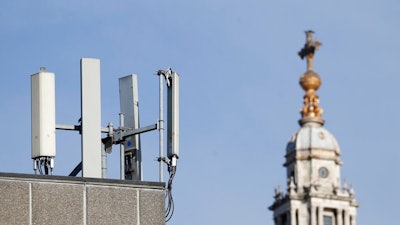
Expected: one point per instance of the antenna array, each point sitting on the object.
(94, 148)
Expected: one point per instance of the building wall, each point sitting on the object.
(31, 199)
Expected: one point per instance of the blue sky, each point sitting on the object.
(240, 97)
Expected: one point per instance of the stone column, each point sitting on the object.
(353, 220)
(339, 217)
(320, 215)
(346, 217)
(293, 219)
(313, 215)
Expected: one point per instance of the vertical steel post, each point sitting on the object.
(161, 128)
(122, 150)
(103, 161)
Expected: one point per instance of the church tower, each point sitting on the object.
(314, 193)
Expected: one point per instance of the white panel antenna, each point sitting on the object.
(43, 120)
(91, 118)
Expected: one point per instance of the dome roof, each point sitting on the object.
(313, 136)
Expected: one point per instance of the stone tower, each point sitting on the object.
(314, 194)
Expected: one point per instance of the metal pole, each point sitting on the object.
(122, 149)
(161, 127)
(103, 161)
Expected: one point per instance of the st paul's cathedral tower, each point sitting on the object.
(314, 193)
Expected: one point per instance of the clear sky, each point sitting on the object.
(240, 97)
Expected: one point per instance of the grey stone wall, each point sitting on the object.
(31, 199)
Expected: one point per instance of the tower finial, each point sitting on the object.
(310, 82)
(309, 49)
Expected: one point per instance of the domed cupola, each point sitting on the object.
(312, 140)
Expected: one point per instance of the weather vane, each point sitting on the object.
(309, 48)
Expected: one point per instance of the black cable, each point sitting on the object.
(46, 166)
(39, 164)
(168, 194)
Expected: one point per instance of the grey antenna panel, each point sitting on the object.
(173, 117)
(128, 93)
(129, 106)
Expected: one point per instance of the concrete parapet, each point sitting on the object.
(37, 199)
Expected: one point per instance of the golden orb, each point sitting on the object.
(310, 81)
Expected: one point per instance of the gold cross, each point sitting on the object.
(309, 48)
